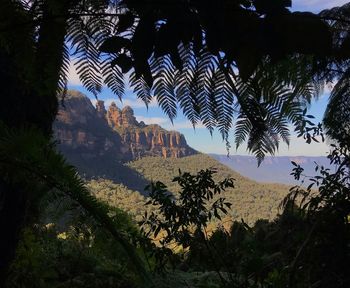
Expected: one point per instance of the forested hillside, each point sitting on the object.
(250, 200)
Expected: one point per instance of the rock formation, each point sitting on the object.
(115, 133)
(81, 129)
(145, 140)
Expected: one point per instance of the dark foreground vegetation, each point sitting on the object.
(251, 65)
(174, 240)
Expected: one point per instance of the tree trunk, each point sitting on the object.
(28, 100)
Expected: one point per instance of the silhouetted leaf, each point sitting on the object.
(124, 62)
(115, 44)
(125, 21)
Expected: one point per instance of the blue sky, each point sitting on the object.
(200, 138)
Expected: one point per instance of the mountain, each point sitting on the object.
(272, 169)
(95, 131)
(118, 156)
(250, 200)
(141, 139)
(98, 141)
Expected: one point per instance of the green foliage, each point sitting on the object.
(29, 160)
(295, 249)
(82, 255)
(250, 200)
(189, 213)
(117, 195)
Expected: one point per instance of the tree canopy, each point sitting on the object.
(251, 66)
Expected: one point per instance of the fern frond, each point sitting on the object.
(141, 88)
(63, 77)
(187, 85)
(113, 78)
(164, 85)
(85, 35)
(225, 99)
(337, 115)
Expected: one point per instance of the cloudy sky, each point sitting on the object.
(200, 138)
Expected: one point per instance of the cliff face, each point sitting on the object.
(146, 140)
(79, 128)
(92, 133)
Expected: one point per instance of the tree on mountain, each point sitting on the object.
(180, 52)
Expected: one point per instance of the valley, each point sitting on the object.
(119, 156)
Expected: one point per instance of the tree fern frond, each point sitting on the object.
(113, 78)
(165, 75)
(85, 36)
(63, 77)
(224, 96)
(141, 88)
(337, 115)
(208, 102)
(187, 85)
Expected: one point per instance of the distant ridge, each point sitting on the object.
(273, 169)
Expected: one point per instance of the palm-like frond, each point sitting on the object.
(113, 78)
(63, 76)
(164, 85)
(189, 76)
(267, 107)
(337, 116)
(141, 88)
(187, 85)
(86, 55)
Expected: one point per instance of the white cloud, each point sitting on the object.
(166, 123)
(73, 78)
(137, 103)
(152, 120)
(186, 125)
(297, 147)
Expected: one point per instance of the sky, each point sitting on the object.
(200, 138)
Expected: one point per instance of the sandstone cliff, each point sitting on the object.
(92, 133)
(142, 139)
(80, 129)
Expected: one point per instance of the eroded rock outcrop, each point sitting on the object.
(82, 129)
(120, 118)
(145, 140)
(113, 133)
